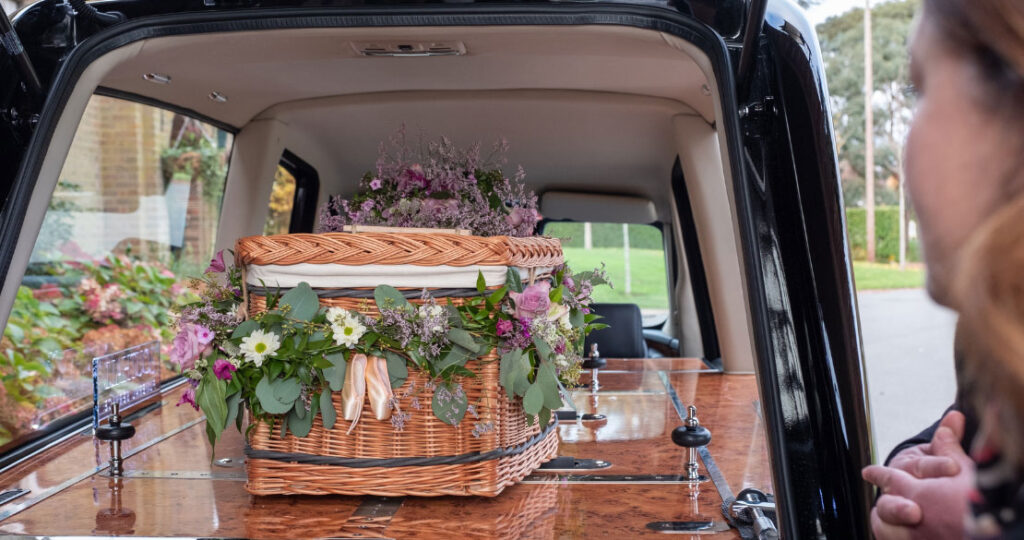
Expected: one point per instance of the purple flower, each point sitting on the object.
(367, 205)
(412, 178)
(189, 397)
(520, 216)
(223, 369)
(216, 263)
(533, 302)
(438, 208)
(503, 327)
(375, 184)
(569, 283)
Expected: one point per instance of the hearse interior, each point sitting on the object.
(733, 409)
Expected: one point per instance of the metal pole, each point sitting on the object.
(869, 132)
(625, 255)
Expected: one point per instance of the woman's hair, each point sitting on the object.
(990, 34)
(989, 294)
(988, 286)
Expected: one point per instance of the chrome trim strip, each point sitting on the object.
(68, 483)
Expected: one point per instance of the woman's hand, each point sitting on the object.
(924, 489)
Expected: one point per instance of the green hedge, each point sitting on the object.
(887, 235)
(605, 235)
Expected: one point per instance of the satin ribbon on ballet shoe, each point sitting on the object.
(354, 392)
(378, 387)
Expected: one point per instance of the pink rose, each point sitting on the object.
(187, 347)
(223, 369)
(503, 327)
(216, 263)
(533, 302)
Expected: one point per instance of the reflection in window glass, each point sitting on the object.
(135, 211)
(634, 256)
(282, 199)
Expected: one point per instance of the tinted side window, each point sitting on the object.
(135, 211)
(634, 256)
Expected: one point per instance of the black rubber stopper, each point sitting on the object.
(115, 432)
(691, 437)
(593, 363)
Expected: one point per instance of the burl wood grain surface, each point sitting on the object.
(635, 438)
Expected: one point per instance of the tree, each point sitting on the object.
(842, 44)
(808, 3)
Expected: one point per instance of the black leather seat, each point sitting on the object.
(624, 337)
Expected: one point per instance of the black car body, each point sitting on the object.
(779, 145)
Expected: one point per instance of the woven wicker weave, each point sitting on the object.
(424, 435)
(419, 249)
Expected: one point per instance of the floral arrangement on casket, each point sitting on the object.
(382, 314)
(288, 360)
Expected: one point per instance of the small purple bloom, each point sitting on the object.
(503, 327)
(189, 397)
(375, 184)
(367, 205)
(223, 369)
(216, 263)
(569, 283)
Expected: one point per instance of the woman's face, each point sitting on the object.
(957, 157)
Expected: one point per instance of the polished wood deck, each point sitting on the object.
(173, 489)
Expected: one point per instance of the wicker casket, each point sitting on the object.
(427, 457)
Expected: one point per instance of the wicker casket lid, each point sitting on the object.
(415, 248)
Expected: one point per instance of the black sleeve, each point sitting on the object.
(970, 430)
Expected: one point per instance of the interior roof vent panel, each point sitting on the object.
(410, 48)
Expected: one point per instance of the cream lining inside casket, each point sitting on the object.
(337, 276)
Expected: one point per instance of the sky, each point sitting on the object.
(817, 14)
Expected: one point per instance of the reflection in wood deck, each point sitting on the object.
(173, 489)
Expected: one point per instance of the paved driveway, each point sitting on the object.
(908, 352)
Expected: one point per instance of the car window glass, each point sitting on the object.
(136, 210)
(634, 256)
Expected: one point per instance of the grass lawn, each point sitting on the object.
(649, 286)
(874, 276)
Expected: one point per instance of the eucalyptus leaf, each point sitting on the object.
(327, 410)
(464, 339)
(299, 409)
(284, 426)
(508, 369)
(302, 301)
(533, 401)
(543, 349)
(300, 425)
(458, 356)
(269, 402)
(388, 297)
(545, 416)
(398, 371)
(245, 328)
(286, 390)
(576, 318)
(335, 375)
(448, 406)
(513, 281)
(548, 381)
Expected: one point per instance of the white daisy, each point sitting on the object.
(347, 331)
(259, 345)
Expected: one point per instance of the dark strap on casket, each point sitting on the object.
(363, 463)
